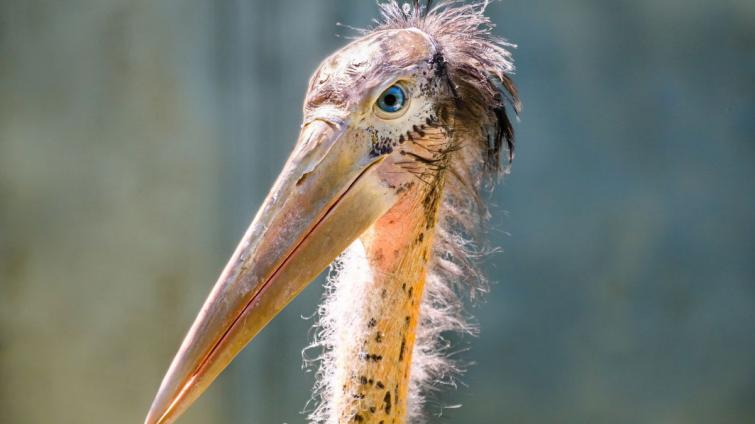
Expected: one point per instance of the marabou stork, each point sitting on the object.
(403, 129)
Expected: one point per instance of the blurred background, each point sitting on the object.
(138, 138)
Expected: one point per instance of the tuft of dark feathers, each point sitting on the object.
(474, 57)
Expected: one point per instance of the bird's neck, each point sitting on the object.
(373, 350)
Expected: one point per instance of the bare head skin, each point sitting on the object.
(401, 129)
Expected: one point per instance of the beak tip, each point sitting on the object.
(155, 417)
(157, 414)
(152, 417)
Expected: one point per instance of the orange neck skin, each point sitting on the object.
(371, 381)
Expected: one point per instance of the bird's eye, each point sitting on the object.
(391, 101)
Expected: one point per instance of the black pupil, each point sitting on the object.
(390, 100)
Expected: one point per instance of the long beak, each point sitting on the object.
(327, 195)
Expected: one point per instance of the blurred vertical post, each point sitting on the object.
(108, 219)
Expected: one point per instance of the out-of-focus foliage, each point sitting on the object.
(138, 138)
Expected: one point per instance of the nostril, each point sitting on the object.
(302, 178)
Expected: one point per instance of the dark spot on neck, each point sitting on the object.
(387, 402)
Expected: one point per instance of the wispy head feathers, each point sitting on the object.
(477, 65)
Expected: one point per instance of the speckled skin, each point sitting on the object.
(416, 147)
(398, 248)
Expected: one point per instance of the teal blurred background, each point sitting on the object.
(138, 138)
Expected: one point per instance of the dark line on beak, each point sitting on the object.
(262, 287)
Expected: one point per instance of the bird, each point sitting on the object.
(403, 133)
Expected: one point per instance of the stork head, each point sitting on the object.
(387, 117)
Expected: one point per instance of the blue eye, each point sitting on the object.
(392, 100)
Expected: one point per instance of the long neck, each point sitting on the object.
(375, 312)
